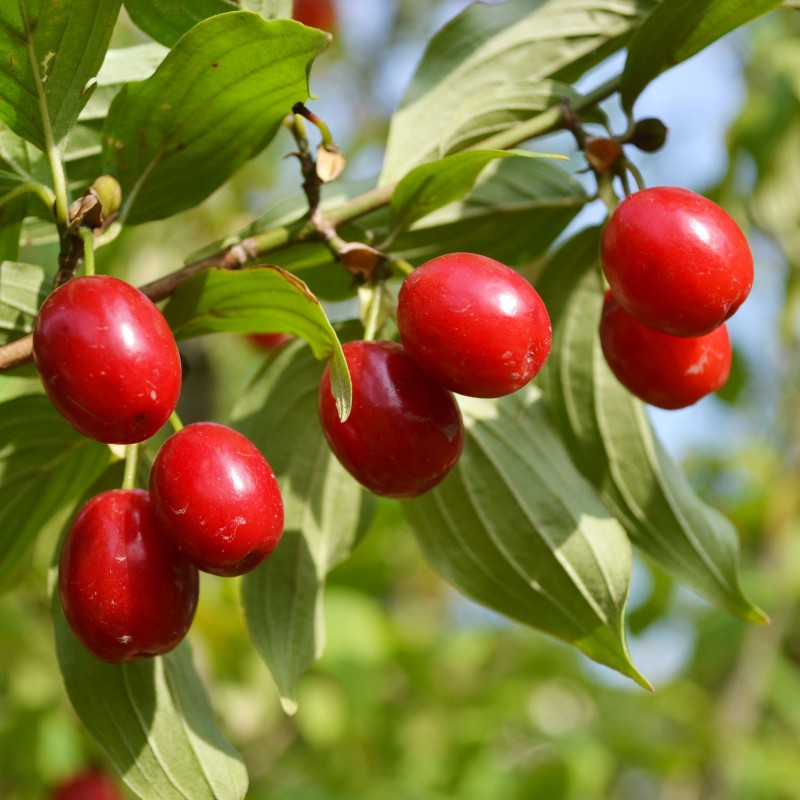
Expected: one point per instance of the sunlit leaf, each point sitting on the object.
(517, 528)
(261, 299)
(51, 49)
(215, 101)
(153, 720)
(612, 443)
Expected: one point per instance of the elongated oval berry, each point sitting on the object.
(676, 261)
(107, 359)
(404, 433)
(216, 497)
(665, 371)
(90, 784)
(473, 324)
(126, 590)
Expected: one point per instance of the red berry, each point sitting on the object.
(91, 784)
(126, 590)
(473, 324)
(216, 497)
(676, 261)
(107, 359)
(404, 433)
(269, 341)
(663, 370)
(315, 13)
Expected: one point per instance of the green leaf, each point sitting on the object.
(12, 213)
(611, 441)
(166, 20)
(45, 467)
(437, 183)
(153, 720)
(216, 101)
(517, 528)
(23, 288)
(506, 104)
(491, 46)
(51, 50)
(678, 29)
(260, 299)
(326, 513)
(516, 210)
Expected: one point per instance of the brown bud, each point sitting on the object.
(602, 154)
(649, 134)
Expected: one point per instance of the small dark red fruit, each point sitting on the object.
(404, 433)
(107, 359)
(676, 261)
(216, 497)
(315, 13)
(473, 324)
(665, 371)
(90, 784)
(269, 341)
(126, 590)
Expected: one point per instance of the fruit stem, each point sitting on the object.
(87, 236)
(373, 315)
(175, 421)
(131, 463)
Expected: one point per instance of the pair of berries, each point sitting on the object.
(129, 566)
(678, 267)
(468, 324)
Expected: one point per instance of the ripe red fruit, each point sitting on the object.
(676, 261)
(91, 784)
(404, 433)
(269, 341)
(473, 324)
(216, 497)
(126, 590)
(315, 13)
(665, 371)
(107, 359)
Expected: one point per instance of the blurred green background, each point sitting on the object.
(421, 694)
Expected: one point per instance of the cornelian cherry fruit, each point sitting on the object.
(676, 260)
(315, 13)
(126, 590)
(404, 433)
(89, 784)
(663, 370)
(269, 341)
(474, 325)
(216, 497)
(107, 359)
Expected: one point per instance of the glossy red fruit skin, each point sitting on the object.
(269, 341)
(216, 497)
(676, 260)
(91, 784)
(663, 370)
(126, 590)
(107, 359)
(473, 324)
(315, 13)
(404, 433)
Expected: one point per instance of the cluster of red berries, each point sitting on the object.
(678, 267)
(468, 324)
(128, 576)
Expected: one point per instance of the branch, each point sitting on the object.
(255, 247)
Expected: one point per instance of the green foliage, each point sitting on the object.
(173, 124)
(327, 512)
(399, 686)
